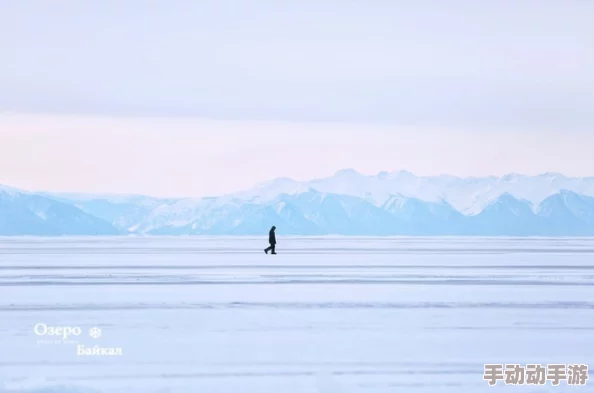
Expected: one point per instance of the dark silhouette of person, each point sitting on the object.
(272, 241)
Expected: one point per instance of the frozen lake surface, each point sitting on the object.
(325, 315)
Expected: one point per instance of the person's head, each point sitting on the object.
(273, 227)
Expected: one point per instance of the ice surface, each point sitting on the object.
(325, 315)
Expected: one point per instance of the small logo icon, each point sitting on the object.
(95, 332)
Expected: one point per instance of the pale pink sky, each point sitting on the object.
(491, 87)
(196, 157)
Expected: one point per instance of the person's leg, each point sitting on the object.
(268, 249)
(273, 249)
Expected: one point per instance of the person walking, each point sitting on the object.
(272, 241)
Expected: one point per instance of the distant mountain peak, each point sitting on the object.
(508, 198)
(11, 190)
(552, 175)
(564, 192)
(402, 172)
(347, 172)
(512, 177)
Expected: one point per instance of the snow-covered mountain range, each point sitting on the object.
(26, 213)
(395, 203)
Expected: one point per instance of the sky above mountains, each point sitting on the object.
(194, 98)
(520, 65)
(183, 157)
